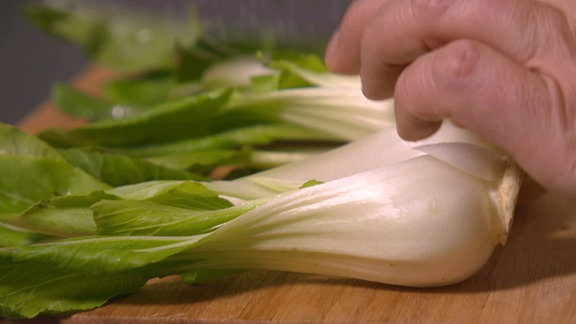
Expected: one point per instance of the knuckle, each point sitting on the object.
(457, 62)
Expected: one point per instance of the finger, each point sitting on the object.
(343, 50)
(566, 6)
(494, 97)
(529, 32)
(477, 87)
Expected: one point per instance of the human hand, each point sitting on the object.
(504, 69)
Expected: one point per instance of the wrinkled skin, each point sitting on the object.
(504, 69)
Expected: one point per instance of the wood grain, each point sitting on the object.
(47, 115)
(530, 280)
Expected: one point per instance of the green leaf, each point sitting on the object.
(117, 170)
(185, 117)
(232, 147)
(165, 208)
(74, 275)
(311, 183)
(11, 235)
(13, 141)
(81, 105)
(304, 60)
(234, 138)
(185, 194)
(26, 180)
(29, 288)
(70, 216)
(101, 254)
(32, 172)
(146, 218)
(191, 62)
(78, 274)
(266, 83)
(202, 161)
(290, 63)
(147, 90)
(62, 216)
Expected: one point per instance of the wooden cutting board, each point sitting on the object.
(530, 280)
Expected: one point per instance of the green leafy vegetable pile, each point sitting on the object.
(181, 93)
(182, 107)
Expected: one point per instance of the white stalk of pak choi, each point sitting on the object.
(380, 209)
(420, 214)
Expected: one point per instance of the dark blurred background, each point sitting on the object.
(30, 62)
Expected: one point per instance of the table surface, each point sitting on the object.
(530, 280)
